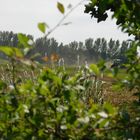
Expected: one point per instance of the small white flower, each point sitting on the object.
(11, 87)
(84, 120)
(61, 108)
(125, 81)
(63, 127)
(26, 110)
(137, 118)
(138, 51)
(93, 116)
(103, 114)
(30, 42)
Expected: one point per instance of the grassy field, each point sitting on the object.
(23, 73)
(38, 101)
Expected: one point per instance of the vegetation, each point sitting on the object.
(59, 106)
(128, 18)
(53, 103)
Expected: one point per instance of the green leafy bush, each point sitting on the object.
(51, 108)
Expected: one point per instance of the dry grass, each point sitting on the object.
(118, 98)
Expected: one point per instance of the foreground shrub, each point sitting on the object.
(51, 108)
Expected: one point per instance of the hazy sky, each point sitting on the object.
(24, 15)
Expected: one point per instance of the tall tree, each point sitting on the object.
(103, 49)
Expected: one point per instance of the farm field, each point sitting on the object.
(24, 73)
(117, 97)
(39, 97)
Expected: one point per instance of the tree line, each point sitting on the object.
(90, 51)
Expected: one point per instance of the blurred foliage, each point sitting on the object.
(57, 105)
(126, 12)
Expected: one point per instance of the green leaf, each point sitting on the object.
(103, 123)
(60, 7)
(42, 27)
(55, 79)
(2, 85)
(35, 56)
(79, 87)
(109, 108)
(101, 65)
(26, 50)
(11, 51)
(94, 68)
(103, 114)
(24, 40)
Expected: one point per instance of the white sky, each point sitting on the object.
(24, 15)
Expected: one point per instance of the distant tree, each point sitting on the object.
(123, 49)
(103, 49)
(89, 43)
(89, 50)
(8, 39)
(81, 45)
(74, 45)
(96, 45)
(113, 47)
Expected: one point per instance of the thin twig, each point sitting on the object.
(64, 17)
